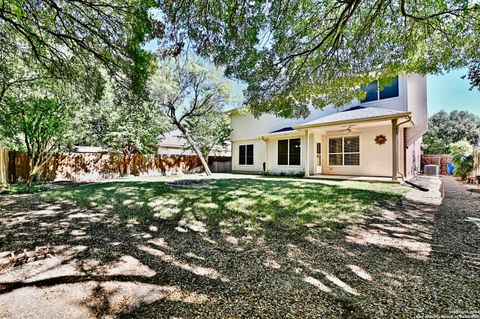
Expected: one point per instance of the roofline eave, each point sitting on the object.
(360, 120)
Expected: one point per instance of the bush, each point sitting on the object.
(462, 158)
(267, 173)
(299, 174)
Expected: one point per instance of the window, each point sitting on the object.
(351, 150)
(319, 154)
(344, 151)
(283, 152)
(390, 89)
(245, 154)
(386, 90)
(335, 151)
(289, 152)
(372, 92)
(294, 156)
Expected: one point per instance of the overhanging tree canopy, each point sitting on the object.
(72, 38)
(293, 53)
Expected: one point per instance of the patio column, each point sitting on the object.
(394, 150)
(307, 155)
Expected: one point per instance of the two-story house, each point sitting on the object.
(379, 137)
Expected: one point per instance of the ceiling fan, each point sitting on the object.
(350, 130)
(347, 130)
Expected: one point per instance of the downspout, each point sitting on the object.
(402, 175)
(265, 166)
(409, 119)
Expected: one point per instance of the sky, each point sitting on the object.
(450, 92)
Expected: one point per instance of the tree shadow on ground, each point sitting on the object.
(235, 248)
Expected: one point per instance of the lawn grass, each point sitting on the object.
(244, 205)
(20, 188)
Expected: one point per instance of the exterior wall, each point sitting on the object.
(272, 162)
(375, 160)
(413, 155)
(417, 104)
(398, 103)
(246, 126)
(259, 148)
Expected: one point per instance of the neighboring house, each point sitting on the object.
(380, 136)
(173, 143)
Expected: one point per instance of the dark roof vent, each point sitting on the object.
(353, 108)
(283, 129)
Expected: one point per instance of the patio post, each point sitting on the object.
(394, 150)
(307, 155)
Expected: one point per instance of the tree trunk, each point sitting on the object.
(34, 168)
(126, 162)
(195, 149)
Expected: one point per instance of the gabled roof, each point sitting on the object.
(355, 114)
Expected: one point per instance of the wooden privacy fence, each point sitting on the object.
(95, 166)
(436, 159)
(476, 167)
(3, 166)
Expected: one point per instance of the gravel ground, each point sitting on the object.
(417, 260)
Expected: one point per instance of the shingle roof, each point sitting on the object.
(355, 114)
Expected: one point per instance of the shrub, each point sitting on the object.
(267, 173)
(283, 173)
(299, 174)
(462, 158)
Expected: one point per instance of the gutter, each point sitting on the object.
(360, 120)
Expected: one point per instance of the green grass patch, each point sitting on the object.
(240, 205)
(22, 189)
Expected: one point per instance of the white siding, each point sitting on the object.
(417, 104)
(375, 160)
(398, 103)
(413, 158)
(272, 163)
(246, 126)
(258, 156)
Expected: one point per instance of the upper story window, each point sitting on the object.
(245, 154)
(390, 89)
(289, 152)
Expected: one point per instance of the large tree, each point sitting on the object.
(72, 40)
(186, 90)
(447, 128)
(37, 118)
(296, 53)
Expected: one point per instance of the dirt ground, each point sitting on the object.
(417, 260)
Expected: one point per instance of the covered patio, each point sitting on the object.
(359, 143)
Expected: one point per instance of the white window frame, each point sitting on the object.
(343, 150)
(319, 155)
(246, 152)
(288, 153)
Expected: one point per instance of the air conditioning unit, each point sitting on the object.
(431, 170)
